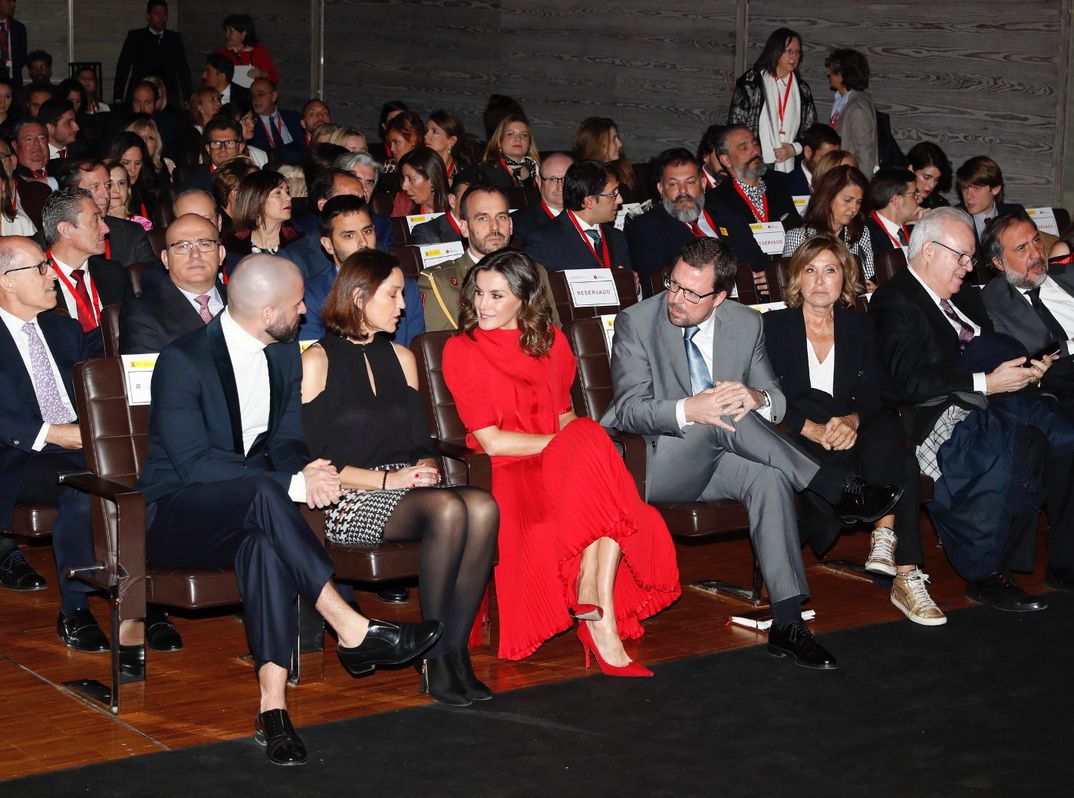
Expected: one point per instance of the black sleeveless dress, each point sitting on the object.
(351, 426)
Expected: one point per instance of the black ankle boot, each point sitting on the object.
(441, 681)
(464, 669)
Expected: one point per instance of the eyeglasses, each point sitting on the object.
(224, 144)
(611, 194)
(964, 258)
(789, 51)
(552, 179)
(204, 245)
(915, 194)
(42, 268)
(690, 296)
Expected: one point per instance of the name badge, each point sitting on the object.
(138, 374)
(432, 254)
(420, 218)
(592, 288)
(769, 237)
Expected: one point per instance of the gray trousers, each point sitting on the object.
(756, 465)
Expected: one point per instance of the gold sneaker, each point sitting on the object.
(909, 594)
(881, 558)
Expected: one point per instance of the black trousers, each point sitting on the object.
(250, 524)
(72, 538)
(879, 456)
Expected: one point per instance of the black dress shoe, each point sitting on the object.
(283, 746)
(16, 574)
(794, 640)
(476, 690)
(388, 644)
(80, 631)
(131, 663)
(865, 503)
(1058, 579)
(397, 594)
(1000, 592)
(160, 633)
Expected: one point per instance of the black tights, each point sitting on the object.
(457, 528)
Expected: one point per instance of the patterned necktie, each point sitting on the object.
(695, 228)
(965, 331)
(700, 379)
(53, 410)
(277, 138)
(1055, 329)
(85, 314)
(595, 236)
(902, 237)
(203, 311)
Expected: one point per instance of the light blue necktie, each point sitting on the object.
(700, 379)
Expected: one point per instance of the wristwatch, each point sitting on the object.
(767, 402)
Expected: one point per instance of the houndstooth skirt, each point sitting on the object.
(361, 515)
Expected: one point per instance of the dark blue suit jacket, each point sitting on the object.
(655, 241)
(291, 153)
(310, 224)
(195, 429)
(20, 415)
(797, 183)
(729, 210)
(557, 246)
(526, 220)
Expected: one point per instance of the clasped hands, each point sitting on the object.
(322, 484)
(725, 398)
(838, 434)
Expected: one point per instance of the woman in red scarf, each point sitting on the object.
(576, 539)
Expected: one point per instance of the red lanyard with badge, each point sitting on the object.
(781, 105)
(607, 261)
(92, 312)
(894, 241)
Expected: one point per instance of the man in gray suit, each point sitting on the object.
(690, 373)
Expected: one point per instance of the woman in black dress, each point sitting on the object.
(362, 411)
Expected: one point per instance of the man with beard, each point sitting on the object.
(712, 171)
(226, 461)
(553, 169)
(486, 225)
(658, 235)
(753, 194)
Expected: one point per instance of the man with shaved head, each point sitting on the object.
(553, 168)
(227, 461)
(199, 201)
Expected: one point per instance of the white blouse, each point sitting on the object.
(821, 375)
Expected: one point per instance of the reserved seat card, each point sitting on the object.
(420, 218)
(138, 375)
(432, 254)
(769, 237)
(591, 288)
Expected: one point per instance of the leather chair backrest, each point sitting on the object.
(409, 259)
(592, 390)
(117, 439)
(382, 203)
(444, 421)
(1062, 221)
(156, 240)
(134, 275)
(561, 295)
(400, 231)
(887, 264)
(110, 329)
(777, 279)
(520, 197)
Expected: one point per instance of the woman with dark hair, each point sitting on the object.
(362, 411)
(570, 513)
(120, 196)
(511, 155)
(150, 195)
(933, 171)
(403, 132)
(597, 139)
(773, 101)
(446, 136)
(226, 182)
(13, 219)
(243, 50)
(837, 208)
(388, 111)
(262, 217)
(853, 112)
(8, 111)
(423, 184)
(825, 356)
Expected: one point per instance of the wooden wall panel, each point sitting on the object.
(46, 29)
(976, 77)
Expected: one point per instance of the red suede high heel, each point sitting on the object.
(586, 639)
(586, 612)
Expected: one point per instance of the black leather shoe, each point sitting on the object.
(397, 594)
(388, 644)
(794, 640)
(1001, 593)
(865, 503)
(1059, 579)
(16, 574)
(160, 633)
(442, 683)
(131, 663)
(476, 690)
(80, 631)
(283, 746)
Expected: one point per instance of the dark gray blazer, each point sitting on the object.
(1012, 315)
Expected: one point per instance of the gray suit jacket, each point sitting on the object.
(650, 374)
(1012, 315)
(857, 129)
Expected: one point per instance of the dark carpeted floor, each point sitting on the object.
(982, 706)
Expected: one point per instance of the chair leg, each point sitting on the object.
(309, 643)
(753, 595)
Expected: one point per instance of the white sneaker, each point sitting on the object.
(909, 594)
(882, 552)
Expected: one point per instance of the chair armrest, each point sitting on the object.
(633, 449)
(478, 464)
(118, 523)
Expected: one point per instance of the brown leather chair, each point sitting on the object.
(382, 202)
(400, 231)
(887, 263)
(110, 329)
(1062, 221)
(31, 521)
(777, 279)
(409, 259)
(134, 275)
(521, 197)
(688, 522)
(561, 295)
(156, 240)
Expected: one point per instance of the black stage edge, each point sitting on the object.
(981, 706)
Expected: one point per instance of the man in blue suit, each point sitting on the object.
(278, 132)
(226, 463)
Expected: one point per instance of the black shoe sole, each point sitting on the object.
(23, 589)
(73, 647)
(367, 668)
(259, 738)
(779, 653)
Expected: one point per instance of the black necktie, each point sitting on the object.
(902, 237)
(1055, 329)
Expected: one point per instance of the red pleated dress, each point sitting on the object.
(553, 505)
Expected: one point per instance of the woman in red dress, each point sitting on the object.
(576, 539)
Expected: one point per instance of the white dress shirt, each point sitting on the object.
(1059, 303)
(14, 325)
(980, 383)
(252, 383)
(68, 297)
(270, 122)
(216, 304)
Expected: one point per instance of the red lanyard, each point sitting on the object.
(896, 242)
(607, 262)
(712, 226)
(268, 130)
(782, 104)
(94, 312)
(454, 224)
(763, 215)
(547, 210)
(451, 168)
(107, 249)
